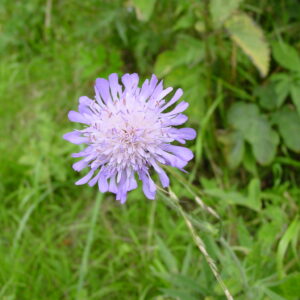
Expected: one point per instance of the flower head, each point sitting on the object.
(128, 132)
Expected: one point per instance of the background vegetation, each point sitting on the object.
(239, 65)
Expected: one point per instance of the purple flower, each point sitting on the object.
(128, 131)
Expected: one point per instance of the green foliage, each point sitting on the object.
(251, 39)
(255, 129)
(241, 195)
(288, 122)
(221, 12)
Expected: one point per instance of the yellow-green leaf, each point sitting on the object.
(250, 38)
(220, 11)
(144, 9)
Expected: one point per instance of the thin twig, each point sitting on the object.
(200, 244)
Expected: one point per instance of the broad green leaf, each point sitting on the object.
(267, 95)
(286, 56)
(250, 38)
(184, 22)
(144, 9)
(282, 88)
(255, 129)
(236, 149)
(181, 55)
(240, 114)
(288, 122)
(264, 141)
(291, 287)
(295, 93)
(254, 192)
(220, 12)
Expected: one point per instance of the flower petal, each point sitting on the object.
(78, 166)
(102, 184)
(184, 133)
(115, 87)
(175, 98)
(149, 187)
(75, 116)
(102, 86)
(173, 160)
(182, 106)
(75, 138)
(164, 179)
(177, 120)
(181, 152)
(86, 178)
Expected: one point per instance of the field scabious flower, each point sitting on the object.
(128, 132)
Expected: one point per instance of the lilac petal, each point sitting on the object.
(175, 98)
(75, 138)
(122, 197)
(102, 184)
(130, 81)
(75, 116)
(157, 91)
(115, 87)
(182, 106)
(173, 160)
(84, 105)
(94, 180)
(182, 152)
(145, 91)
(86, 178)
(164, 93)
(149, 188)
(121, 191)
(153, 81)
(102, 86)
(185, 133)
(164, 179)
(112, 185)
(152, 84)
(78, 166)
(131, 183)
(177, 120)
(85, 152)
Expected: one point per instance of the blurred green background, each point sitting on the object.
(239, 65)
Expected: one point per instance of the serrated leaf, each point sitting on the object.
(250, 38)
(288, 122)
(286, 56)
(144, 9)
(221, 12)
